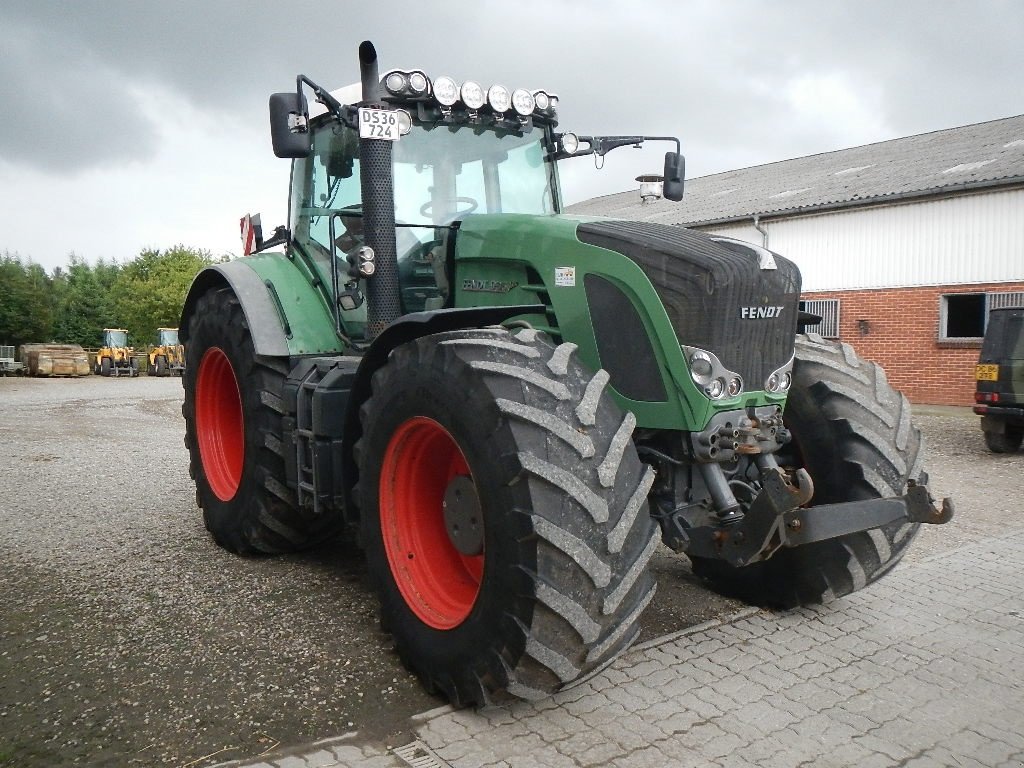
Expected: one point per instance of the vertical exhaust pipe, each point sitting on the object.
(377, 184)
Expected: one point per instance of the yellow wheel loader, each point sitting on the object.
(115, 357)
(167, 357)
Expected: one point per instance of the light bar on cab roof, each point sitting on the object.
(416, 86)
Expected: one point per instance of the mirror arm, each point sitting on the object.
(322, 94)
(602, 145)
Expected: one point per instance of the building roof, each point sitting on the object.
(957, 159)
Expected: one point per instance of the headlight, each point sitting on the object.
(570, 143)
(542, 99)
(708, 373)
(395, 82)
(499, 99)
(446, 91)
(701, 368)
(781, 379)
(473, 94)
(418, 82)
(523, 102)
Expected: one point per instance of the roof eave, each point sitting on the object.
(864, 202)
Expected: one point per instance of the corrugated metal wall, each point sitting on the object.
(969, 238)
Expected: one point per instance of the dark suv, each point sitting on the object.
(1000, 373)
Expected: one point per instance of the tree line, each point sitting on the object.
(74, 303)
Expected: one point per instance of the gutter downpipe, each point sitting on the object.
(762, 230)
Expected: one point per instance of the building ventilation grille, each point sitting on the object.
(1006, 299)
(829, 311)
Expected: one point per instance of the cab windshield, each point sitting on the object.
(443, 173)
(117, 338)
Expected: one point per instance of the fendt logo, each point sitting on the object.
(756, 313)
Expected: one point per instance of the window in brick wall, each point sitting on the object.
(962, 316)
(828, 309)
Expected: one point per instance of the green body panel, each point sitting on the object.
(511, 259)
(300, 300)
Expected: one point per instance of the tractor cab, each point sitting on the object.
(167, 337)
(115, 338)
(417, 156)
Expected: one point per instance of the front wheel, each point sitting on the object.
(161, 365)
(504, 514)
(234, 433)
(852, 432)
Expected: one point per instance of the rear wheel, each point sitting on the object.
(233, 431)
(1005, 442)
(105, 367)
(504, 515)
(853, 434)
(161, 365)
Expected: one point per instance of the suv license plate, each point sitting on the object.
(986, 373)
(378, 124)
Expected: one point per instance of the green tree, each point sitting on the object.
(150, 290)
(26, 301)
(84, 303)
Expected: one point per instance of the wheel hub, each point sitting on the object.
(462, 516)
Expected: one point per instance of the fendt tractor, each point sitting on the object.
(510, 407)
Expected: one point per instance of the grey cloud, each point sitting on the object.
(711, 72)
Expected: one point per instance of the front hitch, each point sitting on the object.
(775, 519)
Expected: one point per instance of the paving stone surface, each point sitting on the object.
(925, 668)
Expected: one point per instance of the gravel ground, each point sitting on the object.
(129, 638)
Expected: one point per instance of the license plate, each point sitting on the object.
(378, 124)
(986, 373)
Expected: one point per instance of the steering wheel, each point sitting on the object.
(428, 206)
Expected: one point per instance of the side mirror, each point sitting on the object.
(675, 172)
(289, 125)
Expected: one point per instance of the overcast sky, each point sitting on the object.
(127, 124)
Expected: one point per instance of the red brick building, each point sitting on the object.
(904, 246)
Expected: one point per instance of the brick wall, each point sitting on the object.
(902, 335)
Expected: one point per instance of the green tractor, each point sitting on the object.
(512, 408)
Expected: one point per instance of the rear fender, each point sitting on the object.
(285, 313)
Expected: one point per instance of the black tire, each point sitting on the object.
(106, 367)
(853, 434)
(1004, 442)
(161, 365)
(562, 494)
(246, 504)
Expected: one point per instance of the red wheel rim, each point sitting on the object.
(219, 426)
(438, 583)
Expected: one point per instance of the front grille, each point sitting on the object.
(705, 285)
